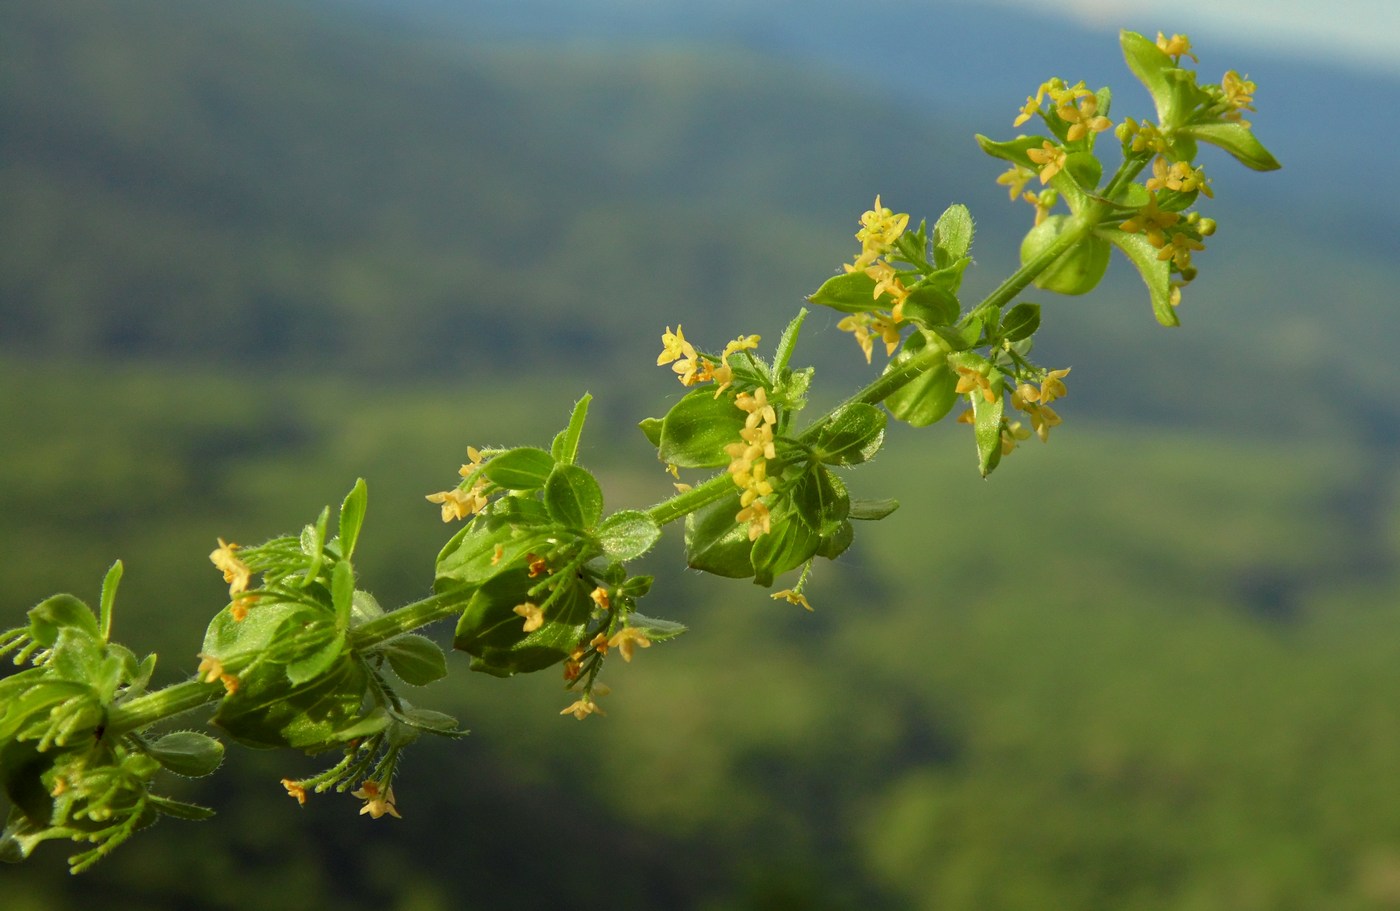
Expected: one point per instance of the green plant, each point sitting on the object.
(539, 574)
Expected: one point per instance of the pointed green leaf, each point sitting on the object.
(872, 510)
(322, 646)
(715, 543)
(1238, 140)
(573, 497)
(952, 236)
(188, 753)
(432, 722)
(651, 429)
(986, 423)
(850, 292)
(109, 599)
(628, 534)
(1156, 273)
(50, 616)
(853, 435)
(352, 517)
(522, 468)
(343, 593)
(931, 305)
(565, 446)
(655, 629)
(930, 396)
(787, 546)
(1151, 65)
(313, 545)
(416, 660)
(820, 500)
(1020, 322)
(179, 809)
(695, 432)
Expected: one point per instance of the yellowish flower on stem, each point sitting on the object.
(1141, 137)
(742, 343)
(723, 375)
(758, 517)
(1043, 417)
(1239, 95)
(377, 803)
(1151, 221)
(238, 610)
(599, 643)
(1083, 118)
(236, 572)
(534, 617)
(458, 503)
(583, 708)
(473, 462)
(1053, 386)
(859, 325)
(210, 669)
(1043, 201)
(1051, 159)
(295, 789)
(1176, 47)
(1179, 250)
(757, 406)
(1011, 434)
(792, 597)
(1016, 179)
(674, 346)
(881, 227)
(970, 380)
(537, 565)
(1022, 394)
(599, 596)
(627, 639)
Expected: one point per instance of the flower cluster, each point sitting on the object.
(459, 503)
(692, 367)
(749, 457)
(880, 230)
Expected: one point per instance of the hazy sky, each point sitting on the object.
(1365, 33)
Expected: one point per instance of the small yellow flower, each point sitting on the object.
(1177, 46)
(534, 617)
(1043, 417)
(1151, 221)
(599, 643)
(1083, 119)
(889, 332)
(1239, 95)
(859, 325)
(1053, 386)
(742, 343)
(1011, 434)
(792, 597)
(881, 227)
(458, 503)
(583, 708)
(1051, 159)
(1179, 250)
(970, 380)
(599, 597)
(757, 406)
(538, 566)
(376, 804)
(473, 462)
(627, 639)
(682, 488)
(1016, 179)
(758, 517)
(295, 789)
(674, 346)
(210, 669)
(238, 610)
(236, 572)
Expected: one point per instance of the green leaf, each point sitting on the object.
(850, 292)
(522, 468)
(1151, 65)
(179, 809)
(1156, 273)
(366, 725)
(927, 398)
(872, 510)
(787, 343)
(931, 305)
(565, 445)
(628, 534)
(320, 647)
(573, 497)
(820, 500)
(853, 435)
(695, 431)
(52, 615)
(715, 543)
(432, 722)
(834, 545)
(490, 630)
(1020, 322)
(986, 423)
(352, 517)
(952, 236)
(265, 711)
(343, 593)
(313, 545)
(417, 660)
(188, 753)
(655, 629)
(651, 429)
(471, 556)
(789, 545)
(1076, 271)
(109, 598)
(1238, 140)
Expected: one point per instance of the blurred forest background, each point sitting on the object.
(250, 251)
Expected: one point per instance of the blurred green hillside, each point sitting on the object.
(250, 252)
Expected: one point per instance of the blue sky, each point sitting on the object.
(1361, 33)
